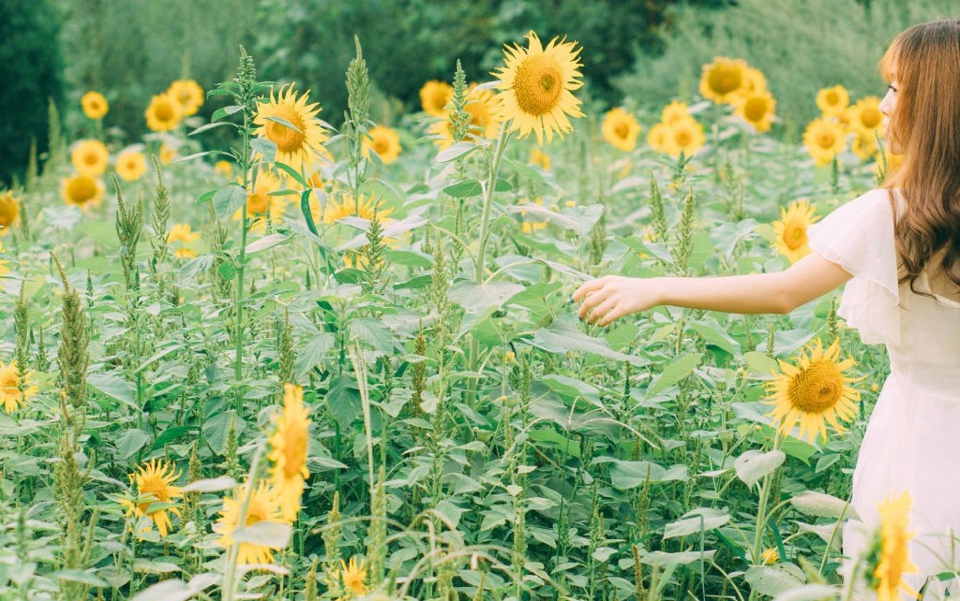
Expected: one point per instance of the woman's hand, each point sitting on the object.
(611, 297)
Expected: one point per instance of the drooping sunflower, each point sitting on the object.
(675, 111)
(864, 145)
(90, 157)
(536, 87)
(865, 115)
(13, 393)
(264, 507)
(94, 105)
(188, 94)
(131, 165)
(894, 552)
(9, 211)
(384, 141)
(484, 119)
(757, 109)
(180, 232)
(288, 451)
(657, 137)
(791, 230)
(164, 113)
(824, 140)
(620, 129)
(539, 157)
(260, 202)
(434, 97)
(154, 484)
(83, 191)
(294, 146)
(723, 79)
(686, 136)
(833, 101)
(813, 392)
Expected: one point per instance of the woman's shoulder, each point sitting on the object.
(880, 201)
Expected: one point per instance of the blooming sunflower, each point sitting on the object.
(754, 81)
(90, 157)
(814, 392)
(94, 105)
(384, 141)
(686, 136)
(344, 206)
(82, 190)
(168, 152)
(791, 230)
(865, 115)
(864, 145)
(260, 201)
(288, 451)
(180, 232)
(620, 129)
(14, 393)
(484, 120)
(757, 109)
(164, 113)
(264, 507)
(188, 94)
(539, 157)
(224, 169)
(9, 211)
(353, 576)
(294, 146)
(434, 97)
(823, 139)
(131, 165)
(154, 484)
(657, 137)
(535, 87)
(675, 111)
(723, 79)
(894, 552)
(833, 101)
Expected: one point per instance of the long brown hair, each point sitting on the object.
(925, 61)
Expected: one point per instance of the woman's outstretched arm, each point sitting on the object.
(611, 297)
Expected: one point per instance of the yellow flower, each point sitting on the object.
(168, 152)
(434, 97)
(894, 560)
(686, 135)
(864, 145)
(754, 81)
(528, 226)
(384, 141)
(180, 232)
(131, 165)
(539, 157)
(94, 105)
(294, 146)
(263, 507)
(620, 129)
(791, 230)
(657, 137)
(769, 557)
(814, 392)
(865, 115)
(346, 207)
(260, 201)
(154, 485)
(9, 211)
(224, 169)
(82, 191)
(90, 157)
(14, 393)
(188, 94)
(535, 87)
(353, 577)
(288, 451)
(833, 101)
(757, 109)
(484, 120)
(674, 112)
(723, 79)
(164, 113)
(823, 139)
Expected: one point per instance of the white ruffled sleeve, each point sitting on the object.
(858, 236)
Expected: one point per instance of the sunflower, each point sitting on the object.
(865, 115)
(294, 146)
(620, 129)
(94, 105)
(769, 557)
(9, 212)
(813, 392)
(260, 202)
(824, 139)
(288, 451)
(864, 145)
(754, 81)
(180, 232)
(264, 507)
(539, 157)
(188, 94)
(82, 190)
(346, 207)
(131, 165)
(13, 392)
(833, 101)
(384, 141)
(353, 577)
(90, 157)
(723, 79)
(484, 120)
(894, 553)
(535, 87)
(154, 485)
(434, 97)
(224, 169)
(527, 227)
(686, 136)
(757, 109)
(657, 137)
(675, 111)
(168, 152)
(164, 113)
(791, 230)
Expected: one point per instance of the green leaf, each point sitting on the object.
(266, 242)
(665, 559)
(753, 465)
(563, 336)
(343, 399)
(284, 123)
(696, 521)
(226, 111)
(114, 386)
(293, 173)
(464, 189)
(759, 363)
(168, 590)
(456, 151)
(171, 434)
(773, 580)
(821, 505)
(450, 512)
(275, 535)
(714, 334)
(678, 369)
(265, 148)
(80, 576)
(477, 298)
(573, 388)
(215, 429)
(373, 332)
(626, 475)
(130, 442)
(310, 354)
(211, 485)
(228, 199)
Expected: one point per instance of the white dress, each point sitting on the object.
(912, 441)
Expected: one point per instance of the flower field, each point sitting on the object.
(344, 363)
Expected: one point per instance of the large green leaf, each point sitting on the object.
(679, 368)
(562, 336)
(477, 298)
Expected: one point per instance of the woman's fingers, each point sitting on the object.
(615, 314)
(587, 288)
(591, 300)
(602, 309)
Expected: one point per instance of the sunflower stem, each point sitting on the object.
(762, 515)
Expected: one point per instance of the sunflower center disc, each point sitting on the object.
(287, 140)
(622, 130)
(870, 118)
(683, 138)
(755, 109)
(826, 139)
(164, 111)
(538, 85)
(723, 80)
(794, 235)
(296, 450)
(816, 388)
(82, 190)
(257, 203)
